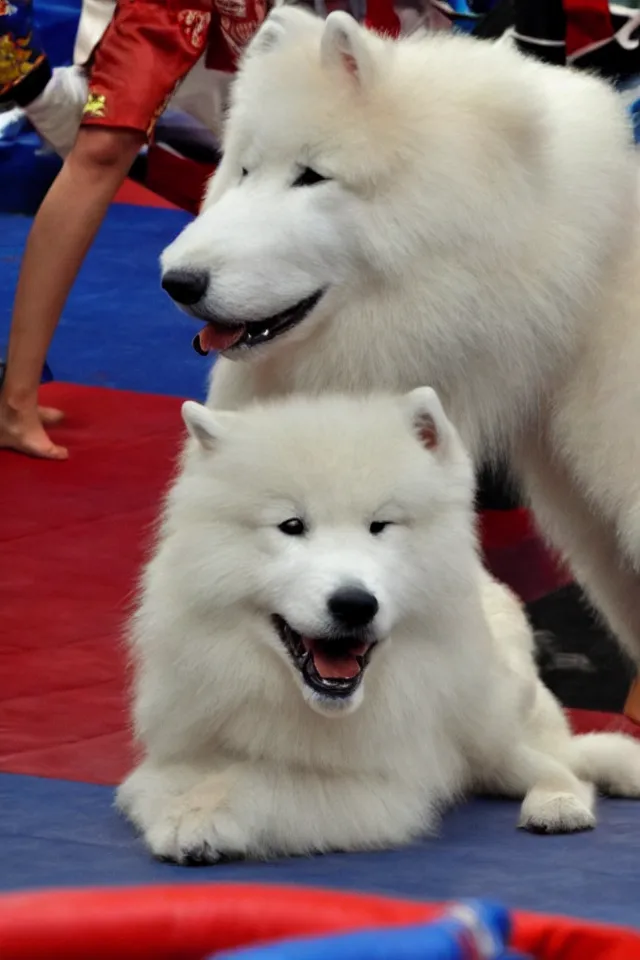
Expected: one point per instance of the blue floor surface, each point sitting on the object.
(56, 833)
(119, 329)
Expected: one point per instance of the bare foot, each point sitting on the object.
(50, 416)
(24, 432)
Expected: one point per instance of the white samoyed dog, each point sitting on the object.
(321, 660)
(438, 210)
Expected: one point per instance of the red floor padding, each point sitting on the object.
(139, 196)
(72, 537)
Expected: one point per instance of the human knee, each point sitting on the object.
(104, 148)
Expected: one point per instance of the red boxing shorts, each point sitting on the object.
(151, 45)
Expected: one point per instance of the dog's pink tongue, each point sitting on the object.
(344, 667)
(215, 338)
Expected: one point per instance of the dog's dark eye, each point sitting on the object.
(308, 177)
(293, 527)
(376, 528)
(245, 172)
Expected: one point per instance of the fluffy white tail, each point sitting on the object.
(610, 760)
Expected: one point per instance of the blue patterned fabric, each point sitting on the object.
(24, 67)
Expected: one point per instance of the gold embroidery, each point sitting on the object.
(15, 58)
(160, 110)
(96, 105)
(195, 24)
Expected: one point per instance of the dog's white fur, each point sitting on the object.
(479, 233)
(240, 757)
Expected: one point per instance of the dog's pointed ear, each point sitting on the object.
(427, 420)
(271, 33)
(283, 20)
(345, 44)
(206, 426)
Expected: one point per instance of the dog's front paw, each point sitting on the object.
(192, 833)
(186, 817)
(544, 811)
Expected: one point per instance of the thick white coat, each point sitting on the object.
(479, 232)
(238, 756)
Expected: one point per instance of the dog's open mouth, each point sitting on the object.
(333, 666)
(233, 336)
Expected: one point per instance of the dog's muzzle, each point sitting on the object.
(188, 288)
(332, 665)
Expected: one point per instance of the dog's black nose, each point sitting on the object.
(353, 607)
(186, 287)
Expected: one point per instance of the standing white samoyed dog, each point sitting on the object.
(439, 210)
(322, 662)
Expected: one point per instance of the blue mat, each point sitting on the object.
(56, 23)
(119, 329)
(27, 171)
(56, 833)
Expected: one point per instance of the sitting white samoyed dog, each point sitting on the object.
(438, 210)
(322, 662)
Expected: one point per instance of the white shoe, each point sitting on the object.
(57, 112)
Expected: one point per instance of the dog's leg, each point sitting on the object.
(585, 539)
(187, 815)
(593, 421)
(555, 800)
(183, 811)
